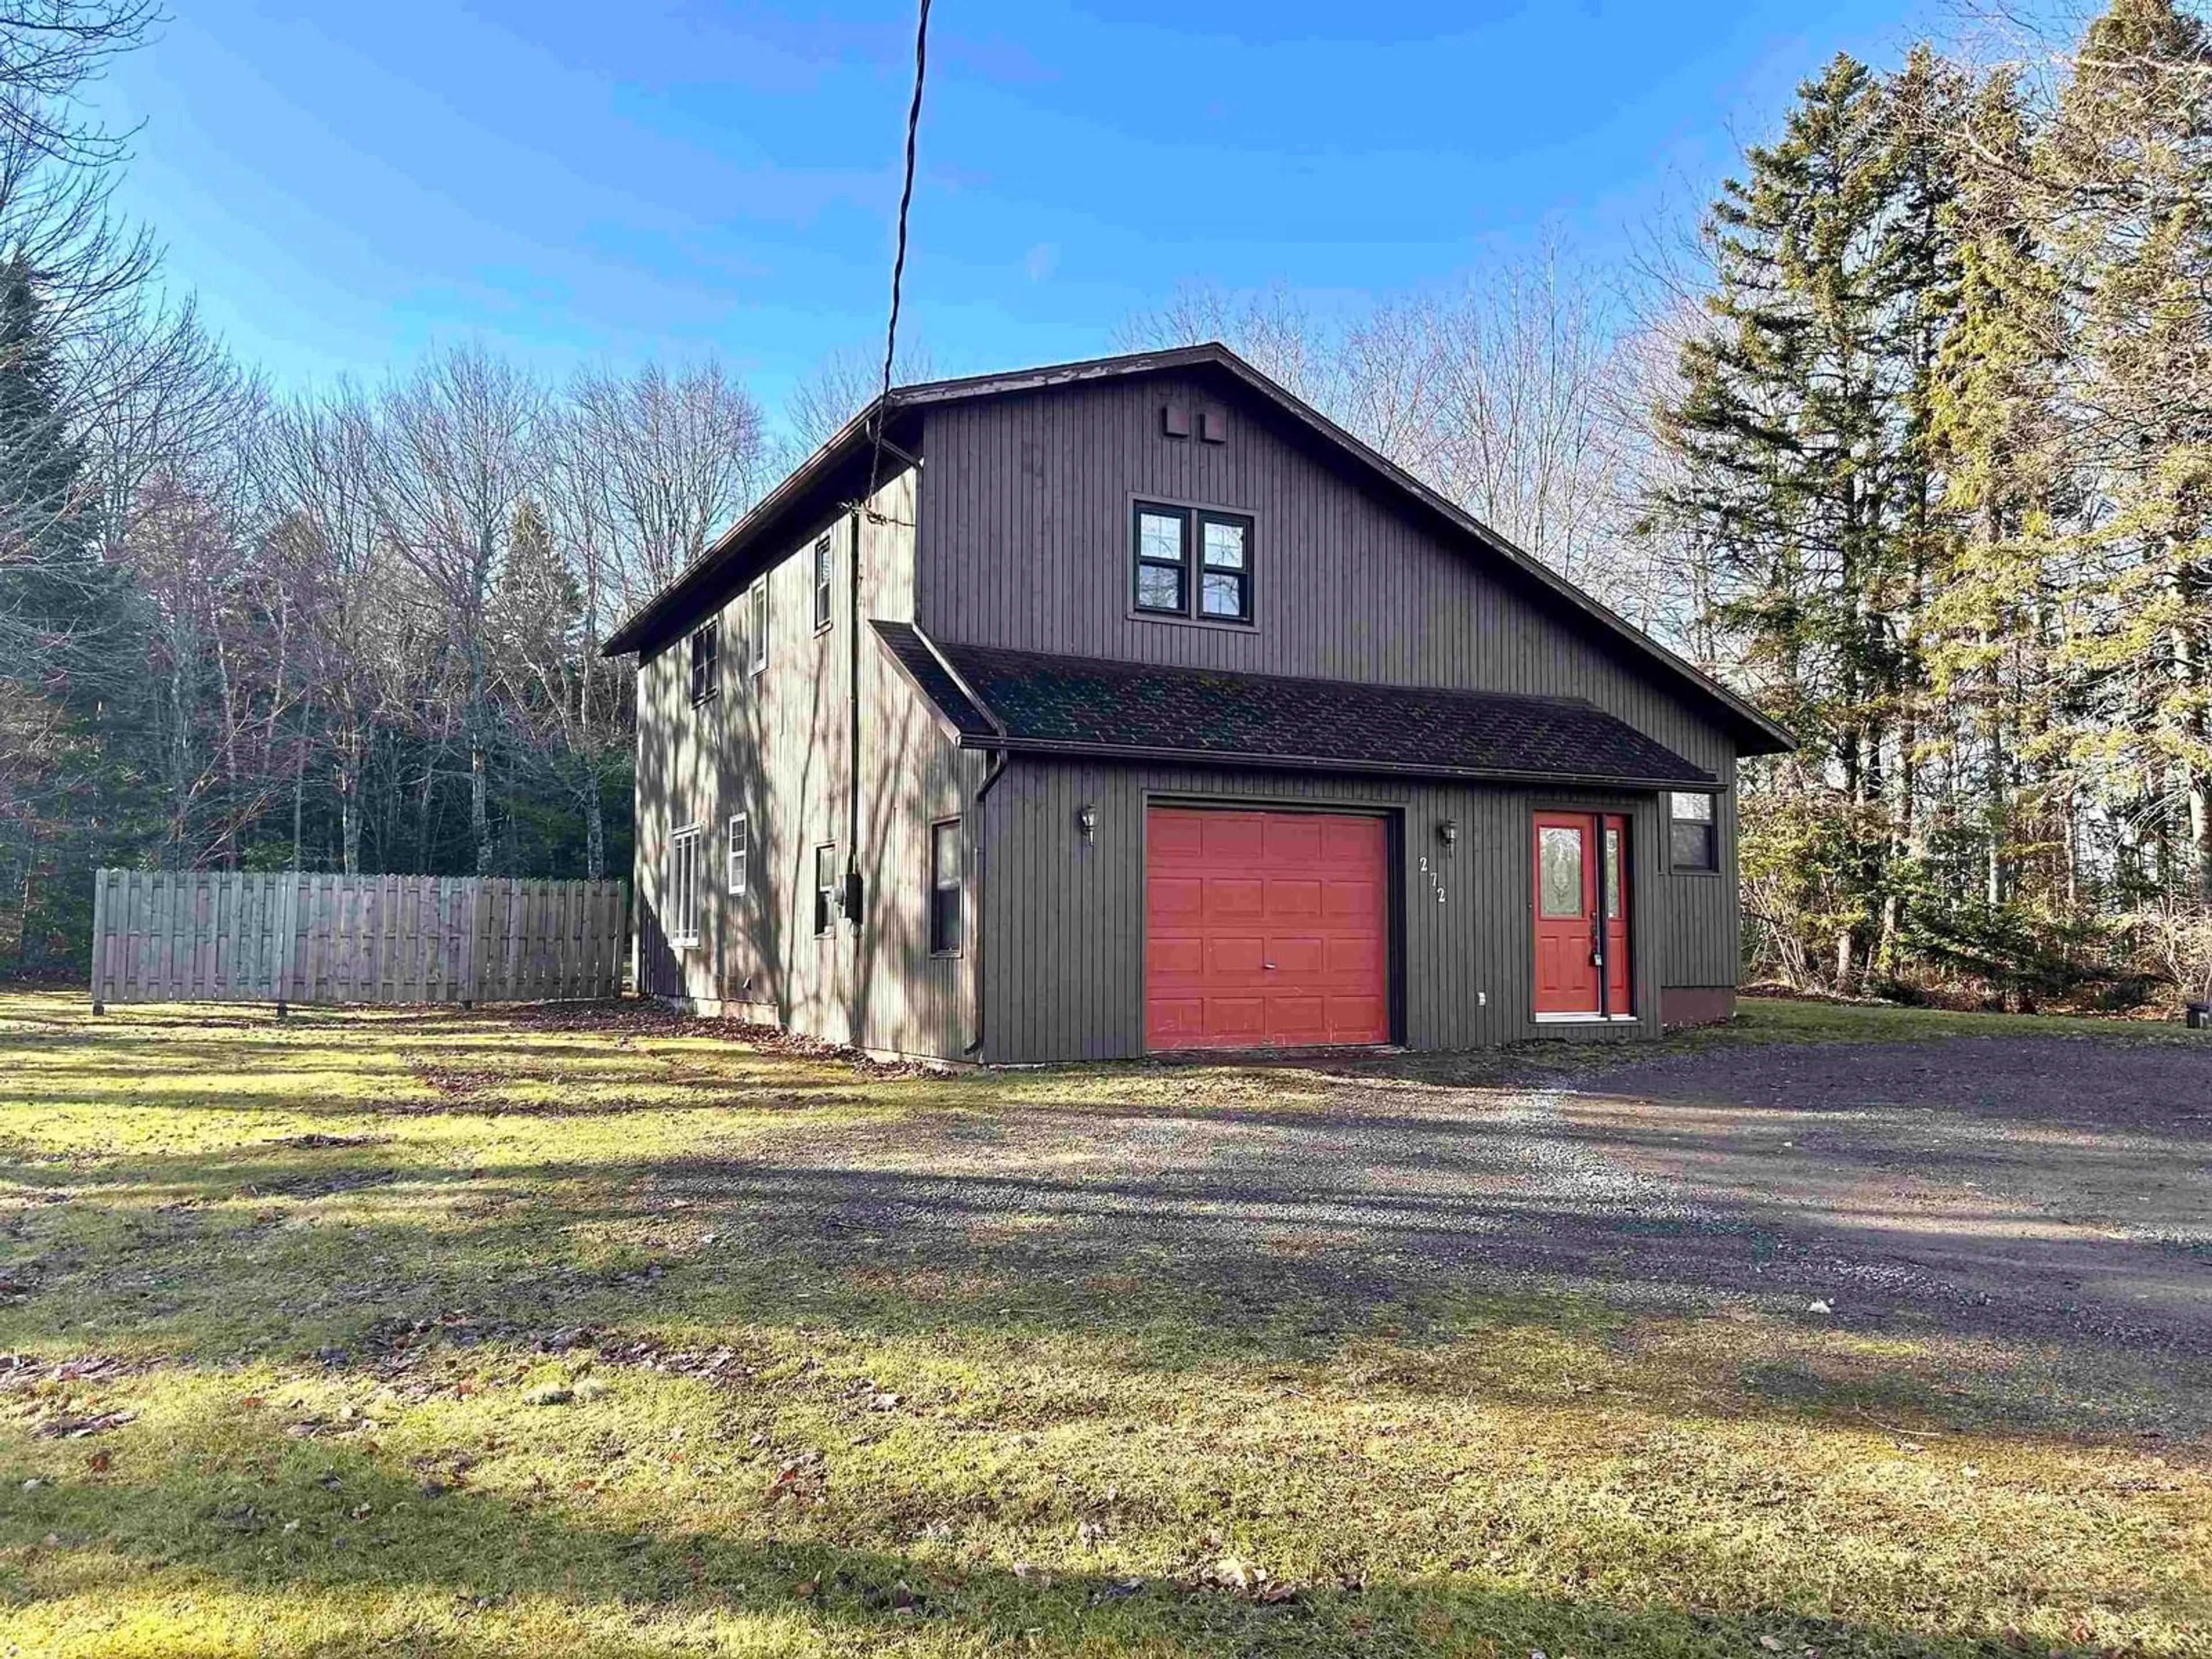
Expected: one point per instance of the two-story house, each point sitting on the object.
(1132, 706)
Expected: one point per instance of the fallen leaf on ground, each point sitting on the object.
(1232, 1573)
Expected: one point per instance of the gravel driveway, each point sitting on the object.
(2049, 1191)
(2053, 1185)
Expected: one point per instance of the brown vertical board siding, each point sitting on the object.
(777, 749)
(1703, 916)
(1064, 955)
(1017, 533)
(1024, 532)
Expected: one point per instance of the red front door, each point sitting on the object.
(1583, 951)
(1567, 944)
(1265, 929)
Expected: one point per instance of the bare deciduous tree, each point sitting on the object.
(49, 49)
(675, 456)
(840, 388)
(458, 449)
(1502, 395)
(75, 277)
(334, 572)
(644, 472)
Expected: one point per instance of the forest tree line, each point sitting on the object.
(1910, 443)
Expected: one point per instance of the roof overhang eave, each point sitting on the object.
(650, 620)
(1244, 761)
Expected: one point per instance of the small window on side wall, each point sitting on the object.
(825, 889)
(1692, 836)
(683, 886)
(705, 651)
(945, 888)
(757, 630)
(825, 568)
(740, 853)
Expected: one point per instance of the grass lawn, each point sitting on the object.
(373, 1333)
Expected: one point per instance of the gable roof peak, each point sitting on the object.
(667, 612)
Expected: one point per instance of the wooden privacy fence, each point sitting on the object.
(288, 937)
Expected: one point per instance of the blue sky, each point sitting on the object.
(345, 186)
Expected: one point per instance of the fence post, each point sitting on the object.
(471, 956)
(98, 936)
(622, 946)
(288, 909)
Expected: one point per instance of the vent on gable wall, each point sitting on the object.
(1214, 425)
(1175, 420)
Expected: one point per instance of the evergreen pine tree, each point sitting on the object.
(2126, 173)
(60, 607)
(1917, 283)
(1806, 476)
(70, 789)
(2000, 439)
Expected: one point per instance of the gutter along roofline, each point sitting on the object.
(1244, 760)
(988, 732)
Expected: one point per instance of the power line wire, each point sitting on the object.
(898, 262)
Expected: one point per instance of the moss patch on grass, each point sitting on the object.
(372, 1332)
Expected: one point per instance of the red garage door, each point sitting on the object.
(1265, 929)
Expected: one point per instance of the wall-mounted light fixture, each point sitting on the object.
(1448, 832)
(1086, 820)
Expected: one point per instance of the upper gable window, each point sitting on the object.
(704, 651)
(757, 628)
(1224, 573)
(1162, 560)
(1193, 562)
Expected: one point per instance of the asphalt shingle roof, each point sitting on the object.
(904, 642)
(1089, 705)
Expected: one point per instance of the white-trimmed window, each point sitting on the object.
(739, 852)
(945, 888)
(683, 886)
(1692, 836)
(705, 656)
(825, 890)
(756, 598)
(825, 570)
